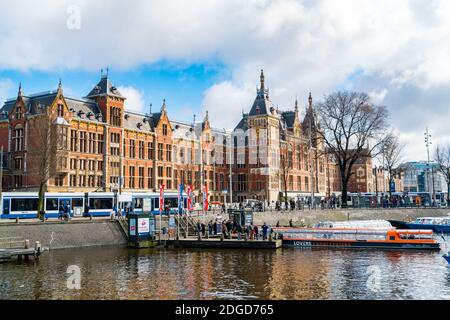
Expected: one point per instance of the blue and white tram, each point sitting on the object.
(25, 204)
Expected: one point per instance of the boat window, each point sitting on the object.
(24, 204)
(51, 204)
(391, 237)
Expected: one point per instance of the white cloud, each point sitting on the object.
(378, 96)
(135, 98)
(303, 46)
(6, 86)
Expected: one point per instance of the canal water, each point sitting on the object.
(120, 273)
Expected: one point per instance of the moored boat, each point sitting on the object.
(387, 238)
(437, 224)
(447, 257)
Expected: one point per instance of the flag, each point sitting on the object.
(205, 198)
(180, 198)
(161, 198)
(189, 197)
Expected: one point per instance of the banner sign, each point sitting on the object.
(132, 227)
(180, 198)
(161, 198)
(152, 225)
(143, 226)
(205, 198)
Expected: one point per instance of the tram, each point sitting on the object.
(24, 205)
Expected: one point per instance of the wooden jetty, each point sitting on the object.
(8, 254)
(19, 247)
(223, 244)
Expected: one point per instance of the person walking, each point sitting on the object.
(255, 229)
(264, 230)
(60, 212)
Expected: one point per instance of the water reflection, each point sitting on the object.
(119, 273)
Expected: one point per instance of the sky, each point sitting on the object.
(207, 55)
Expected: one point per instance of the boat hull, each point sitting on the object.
(359, 244)
(447, 258)
(435, 227)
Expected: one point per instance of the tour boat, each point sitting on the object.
(437, 224)
(380, 238)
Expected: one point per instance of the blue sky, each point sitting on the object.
(181, 85)
(207, 55)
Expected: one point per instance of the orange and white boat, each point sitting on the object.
(348, 236)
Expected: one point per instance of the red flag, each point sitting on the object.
(205, 198)
(161, 198)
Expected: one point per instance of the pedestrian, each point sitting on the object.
(210, 227)
(255, 229)
(60, 212)
(264, 230)
(203, 226)
(66, 212)
(290, 223)
(278, 223)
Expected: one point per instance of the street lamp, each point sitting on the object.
(427, 145)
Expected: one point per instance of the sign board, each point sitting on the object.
(248, 219)
(124, 198)
(147, 205)
(172, 222)
(143, 225)
(132, 227)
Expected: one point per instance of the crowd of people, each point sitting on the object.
(229, 228)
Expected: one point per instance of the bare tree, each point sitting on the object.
(442, 158)
(351, 128)
(43, 153)
(285, 166)
(391, 154)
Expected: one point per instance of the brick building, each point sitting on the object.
(68, 144)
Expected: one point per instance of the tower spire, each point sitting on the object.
(163, 107)
(60, 86)
(206, 116)
(261, 80)
(20, 93)
(310, 100)
(296, 105)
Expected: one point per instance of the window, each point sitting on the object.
(100, 143)
(59, 181)
(168, 152)
(19, 113)
(150, 181)
(17, 181)
(141, 150)
(18, 139)
(18, 163)
(141, 178)
(131, 177)
(151, 151)
(83, 142)
(62, 138)
(164, 129)
(115, 116)
(60, 110)
(73, 141)
(160, 151)
(132, 148)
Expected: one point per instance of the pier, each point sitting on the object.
(19, 247)
(223, 244)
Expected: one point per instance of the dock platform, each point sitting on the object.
(223, 244)
(8, 254)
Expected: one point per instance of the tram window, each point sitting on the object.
(171, 202)
(24, 204)
(77, 203)
(137, 203)
(51, 204)
(100, 203)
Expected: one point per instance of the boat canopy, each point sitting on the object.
(357, 224)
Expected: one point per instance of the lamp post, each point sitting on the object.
(427, 145)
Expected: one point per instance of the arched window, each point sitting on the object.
(60, 110)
